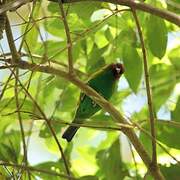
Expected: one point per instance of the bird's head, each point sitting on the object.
(118, 70)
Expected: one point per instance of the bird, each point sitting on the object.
(103, 82)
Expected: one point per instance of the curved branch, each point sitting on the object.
(169, 16)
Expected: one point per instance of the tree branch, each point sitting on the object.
(148, 91)
(169, 16)
(69, 42)
(15, 59)
(103, 103)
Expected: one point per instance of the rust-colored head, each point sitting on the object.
(118, 70)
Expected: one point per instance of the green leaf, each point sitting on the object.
(127, 36)
(175, 115)
(163, 80)
(4, 174)
(109, 162)
(173, 6)
(84, 14)
(88, 178)
(60, 83)
(5, 121)
(95, 60)
(174, 57)
(76, 51)
(100, 39)
(118, 97)
(101, 117)
(133, 66)
(175, 60)
(31, 39)
(10, 146)
(68, 100)
(108, 35)
(165, 133)
(55, 27)
(168, 135)
(84, 45)
(32, 32)
(49, 87)
(146, 140)
(51, 48)
(171, 172)
(53, 8)
(46, 133)
(8, 105)
(157, 36)
(50, 166)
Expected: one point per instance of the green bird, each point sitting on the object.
(104, 82)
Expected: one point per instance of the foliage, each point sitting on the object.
(100, 36)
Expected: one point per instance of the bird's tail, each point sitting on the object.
(69, 133)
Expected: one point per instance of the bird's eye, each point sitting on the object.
(118, 70)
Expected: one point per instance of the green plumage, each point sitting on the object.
(104, 82)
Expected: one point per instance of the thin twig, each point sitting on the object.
(57, 62)
(160, 145)
(34, 108)
(23, 35)
(118, 126)
(172, 123)
(49, 125)
(68, 36)
(9, 172)
(15, 58)
(20, 123)
(27, 29)
(10, 39)
(148, 91)
(134, 160)
(37, 20)
(36, 170)
(5, 86)
(8, 66)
